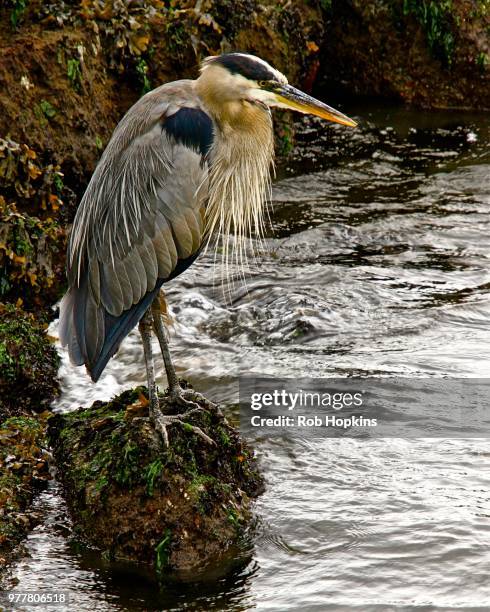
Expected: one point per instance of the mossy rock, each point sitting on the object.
(28, 364)
(177, 510)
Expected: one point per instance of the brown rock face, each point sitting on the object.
(427, 53)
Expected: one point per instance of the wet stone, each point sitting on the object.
(178, 510)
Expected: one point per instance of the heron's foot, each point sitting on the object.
(191, 399)
(162, 421)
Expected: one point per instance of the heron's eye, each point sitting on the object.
(263, 83)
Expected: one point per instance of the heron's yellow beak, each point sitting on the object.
(290, 97)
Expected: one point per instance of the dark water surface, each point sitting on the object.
(378, 264)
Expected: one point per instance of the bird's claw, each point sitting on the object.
(191, 399)
(188, 398)
(162, 421)
(182, 398)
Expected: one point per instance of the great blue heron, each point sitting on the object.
(189, 159)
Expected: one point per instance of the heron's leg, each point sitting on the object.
(188, 397)
(173, 381)
(155, 414)
(161, 421)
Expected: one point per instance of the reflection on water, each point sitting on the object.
(378, 263)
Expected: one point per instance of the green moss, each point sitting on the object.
(224, 438)
(44, 111)
(233, 517)
(58, 183)
(74, 73)
(47, 108)
(482, 61)
(436, 18)
(187, 427)
(21, 342)
(38, 113)
(153, 471)
(201, 490)
(7, 363)
(18, 10)
(162, 552)
(142, 72)
(101, 483)
(127, 469)
(28, 363)
(28, 425)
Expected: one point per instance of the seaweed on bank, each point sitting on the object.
(32, 236)
(28, 364)
(173, 509)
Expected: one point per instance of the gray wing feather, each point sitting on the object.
(95, 328)
(164, 261)
(135, 267)
(182, 236)
(67, 337)
(94, 276)
(194, 223)
(127, 290)
(163, 228)
(111, 292)
(134, 276)
(149, 259)
(74, 348)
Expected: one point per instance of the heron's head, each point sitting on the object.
(234, 79)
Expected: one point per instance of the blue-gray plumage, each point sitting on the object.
(117, 267)
(189, 159)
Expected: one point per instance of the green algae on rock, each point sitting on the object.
(28, 364)
(177, 509)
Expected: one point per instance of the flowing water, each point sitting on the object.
(378, 263)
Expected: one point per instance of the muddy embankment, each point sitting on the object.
(69, 70)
